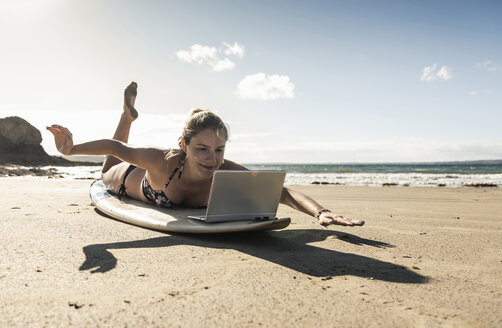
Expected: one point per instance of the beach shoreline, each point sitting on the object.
(426, 257)
(294, 176)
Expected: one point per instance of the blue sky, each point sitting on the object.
(310, 81)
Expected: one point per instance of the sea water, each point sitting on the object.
(421, 174)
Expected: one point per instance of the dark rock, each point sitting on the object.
(16, 171)
(76, 305)
(481, 185)
(16, 131)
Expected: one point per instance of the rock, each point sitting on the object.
(16, 131)
(20, 143)
(481, 185)
(17, 171)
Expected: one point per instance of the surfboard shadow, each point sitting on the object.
(288, 248)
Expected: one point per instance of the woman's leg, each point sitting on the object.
(114, 169)
(124, 126)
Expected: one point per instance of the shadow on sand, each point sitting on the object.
(288, 248)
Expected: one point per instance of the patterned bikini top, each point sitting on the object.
(158, 197)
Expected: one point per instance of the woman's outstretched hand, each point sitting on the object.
(328, 218)
(63, 138)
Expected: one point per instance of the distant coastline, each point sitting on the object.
(464, 162)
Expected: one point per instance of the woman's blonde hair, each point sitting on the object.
(200, 119)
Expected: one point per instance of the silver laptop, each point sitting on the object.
(243, 195)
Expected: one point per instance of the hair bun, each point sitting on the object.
(196, 111)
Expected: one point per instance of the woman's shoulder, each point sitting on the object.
(164, 158)
(167, 158)
(167, 161)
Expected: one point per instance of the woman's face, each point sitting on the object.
(205, 152)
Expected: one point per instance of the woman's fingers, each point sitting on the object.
(340, 220)
(348, 222)
(66, 132)
(55, 128)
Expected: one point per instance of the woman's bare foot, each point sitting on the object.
(129, 99)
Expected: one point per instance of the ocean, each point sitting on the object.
(417, 175)
(377, 175)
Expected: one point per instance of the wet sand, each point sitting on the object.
(427, 257)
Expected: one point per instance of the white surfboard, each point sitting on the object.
(175, 220)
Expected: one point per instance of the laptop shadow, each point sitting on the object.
(288, 248)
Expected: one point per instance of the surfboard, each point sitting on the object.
(174, 220)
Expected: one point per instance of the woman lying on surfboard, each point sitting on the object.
(177, 176)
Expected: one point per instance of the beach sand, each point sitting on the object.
(426, 257)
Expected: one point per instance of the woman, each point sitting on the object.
(178, 176)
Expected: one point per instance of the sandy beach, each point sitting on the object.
(427, 257)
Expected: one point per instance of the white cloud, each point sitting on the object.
(444, 73)
(431, 73)
(486, 65)
(428, 74)
(235, 49)
(222, 65)
(476, 92)
(197, 53)
(265, 87)
(211, 56)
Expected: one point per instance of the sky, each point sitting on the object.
(296, 81)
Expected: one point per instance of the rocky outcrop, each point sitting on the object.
(20, 144)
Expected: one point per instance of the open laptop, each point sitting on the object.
(243, 195)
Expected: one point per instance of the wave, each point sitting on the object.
(414, 179)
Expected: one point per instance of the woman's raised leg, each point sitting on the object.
(122, 131)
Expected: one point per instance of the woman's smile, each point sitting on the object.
(208, 167)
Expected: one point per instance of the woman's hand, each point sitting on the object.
(63, 138)
(328, 218)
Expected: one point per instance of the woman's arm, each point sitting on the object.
(146, 158)
(301, 202)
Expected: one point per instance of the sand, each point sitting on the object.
(427, 257)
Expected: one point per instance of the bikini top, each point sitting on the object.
(158, 197)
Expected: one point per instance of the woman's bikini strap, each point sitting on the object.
(179, 167)
(122, 188)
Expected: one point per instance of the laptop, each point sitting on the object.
(243, 195)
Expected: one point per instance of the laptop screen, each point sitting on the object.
(244, 195)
